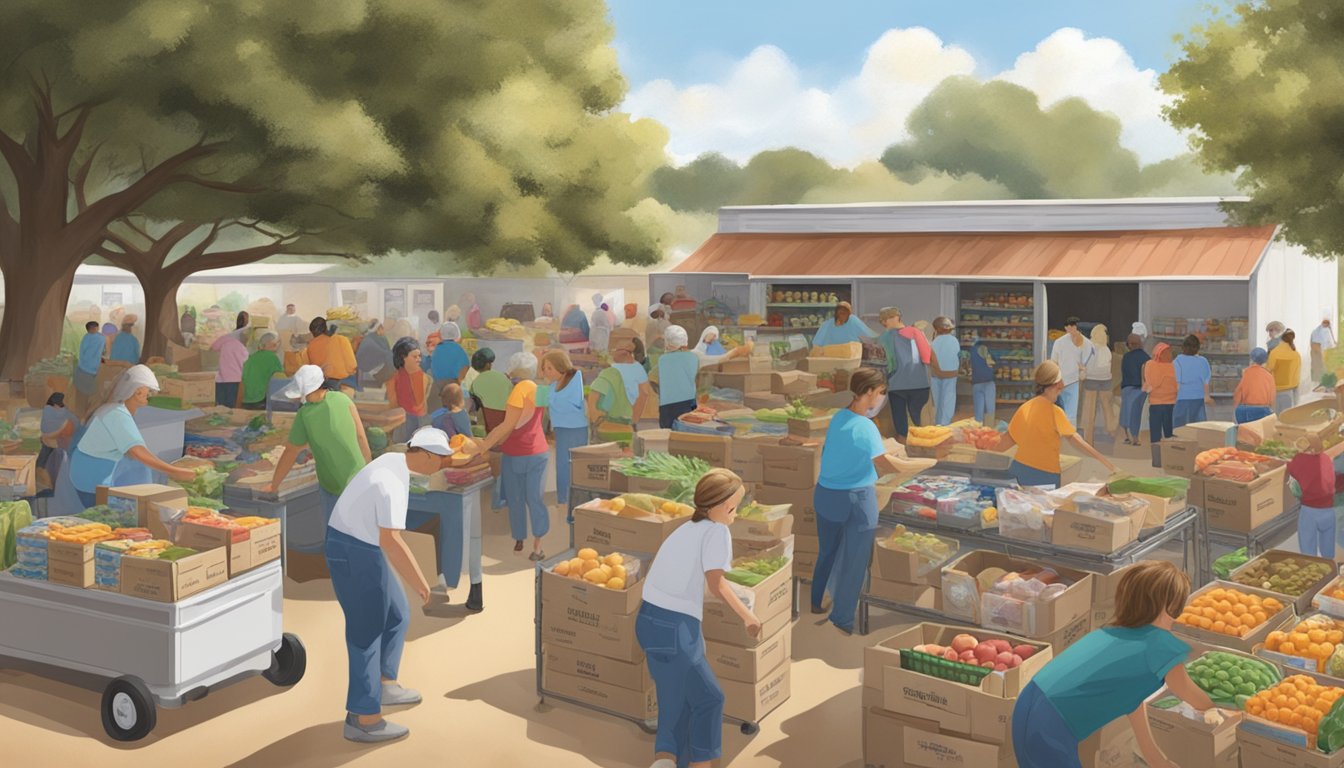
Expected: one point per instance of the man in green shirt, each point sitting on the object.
(328, 425)
(257, 372)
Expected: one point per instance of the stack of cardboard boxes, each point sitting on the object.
(789, 476)
(1230, 505)
(909, 577)
(1060, 620)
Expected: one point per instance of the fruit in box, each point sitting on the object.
(1289, 576)
(1297, 702)
(609, 572)
(996, 654)
(1314, 638)
(1228, 612)
(1230, 680)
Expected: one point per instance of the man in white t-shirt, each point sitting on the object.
(1322, 341)
(364, 545)
(1072, 352)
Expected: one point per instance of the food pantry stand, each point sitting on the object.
(298, 508)
(139, 652)
(1187, 527)
(451, 510)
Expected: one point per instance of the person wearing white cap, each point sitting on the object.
(678, 370)
(363, 548)
(1322, 341)
(328, 425)
(112, 435)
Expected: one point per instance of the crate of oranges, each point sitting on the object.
(1330, 599)
(1291, 711)
(595, 582)
(1308, 645)
(1232, 616)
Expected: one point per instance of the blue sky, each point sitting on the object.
(836, 77)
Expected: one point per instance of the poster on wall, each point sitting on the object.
(394, 303)
(422, 303)
(357, 299)
(112, 298)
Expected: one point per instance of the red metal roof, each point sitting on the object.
(1221, 252)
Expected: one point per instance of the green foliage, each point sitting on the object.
(705, 184)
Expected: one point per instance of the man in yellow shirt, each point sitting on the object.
(333, 354)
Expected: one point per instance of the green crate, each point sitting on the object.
(934, 666)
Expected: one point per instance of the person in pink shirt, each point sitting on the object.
(232, 355)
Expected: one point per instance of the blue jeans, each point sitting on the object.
(846, 527)
(1159, 422)
(376, 618)
(1068, 400)
(1188, 412)
(226, 393)
(690, 701)
(1131, 410)
(1031, 476)
(906, 402)
(566, 439)
(1245, 414)
(1316, 531)
(523, 476)
(944, 400)
(1041, 739)
(983, 396)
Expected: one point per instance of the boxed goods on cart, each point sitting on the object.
(1298, 577)
(949, 500)
(249, 541)
(912, 557)
(1242, 490)
(1232, 616)
(1098, 523)
(1025, 513)
(1012, 595)
(760, 667)
(1166, 496)
(637, 522)
(30, 544)
(762, 522)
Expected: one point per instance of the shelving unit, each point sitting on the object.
(811, 303)
(1225, 344)
(988, 310)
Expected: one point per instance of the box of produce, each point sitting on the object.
(1232, 615)
(138, 499)
(911, 556)
(249, 541)
(804, 421)
(1312, 420)
(750, 665)
(176, 572)
(1298, 712)
(753, 700)
(1025, 513)
(1189, 737)
(1309, 645)
(762, 522)
(792, 383)
(593, 582)
(590, 465)
(1242, 507)
(631, 522)
(997, 591)
(762, 581)
(606, 634)
(1166, 496)
(714, 450)
(1099, 523)
(791, 466)
(1230, 678)
(929, 442)
(600, 669)
(1299, 577)
(1330, 599)
(197, 391)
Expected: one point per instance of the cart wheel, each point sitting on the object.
(750, 729)
(128, 709)
(288, 662)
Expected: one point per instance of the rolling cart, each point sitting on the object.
(142, 653)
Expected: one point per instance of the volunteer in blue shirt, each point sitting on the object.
(125, 347)
(678, 370)
(984, 392)
(946, 362)
(569, 416)
(91, 349)
(843, 328)
(1109, 673)
(846, 497)
(1193, 375)
(449, 361)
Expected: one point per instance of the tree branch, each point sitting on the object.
(222, 186)
(126, 248)
(20, 164)
(82, 177)
(75, 133)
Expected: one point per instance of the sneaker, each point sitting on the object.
(379, 732)
(846, 631)
(820, 609)
(474, 601)
(664, 763)
(396, 696)
(537, 557)
(440, 589)
(517, 546)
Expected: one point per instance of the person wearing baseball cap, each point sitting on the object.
(1037, 429)
(364, 546)
(843, 328)
(946, 359)
(328, 425)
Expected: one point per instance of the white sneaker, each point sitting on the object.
(663, 763)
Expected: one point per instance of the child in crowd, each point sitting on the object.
(452, 418)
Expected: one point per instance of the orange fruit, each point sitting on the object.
(1219, 626)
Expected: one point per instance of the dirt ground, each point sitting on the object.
(478, 677)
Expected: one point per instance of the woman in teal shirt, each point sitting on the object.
(1109, 673)
(843, 328)
(678, 371)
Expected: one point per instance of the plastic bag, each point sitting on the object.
(1225, 565)
(1163, 487)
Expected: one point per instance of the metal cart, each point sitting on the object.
(648, 726)
(141, 653)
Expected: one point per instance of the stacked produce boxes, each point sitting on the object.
(907, 567)
(1026, 599)
(789, 476)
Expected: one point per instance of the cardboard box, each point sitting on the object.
(598, 669)
(1114, 746)
(791, 466)
(751, 701)
(140, 498)
(814, 426)
(1255, 637)
(1195, 496)
(246, 549)
(642, 705)
(915, 595)
(1301, 421)
(731, 631)
(169, 581)
(885, 655)
(70, 572)
(792, 383)
(744, 382)
(800, 503)
(19, 473)
(623, 483)
(777, 525)
(908, 566)
(612, 533)
(197, 391)
(603, 634)
(588, 599)
(1302, 603)
(962, 597)
(745, 457)
(804, 564)
(1271, 745)
(771, 597)
(1059, 641)
(1192, 742)
(651, 440)
(1208, 434)
(1331, 606)
(715, 450)
(750, 665)
(1178, 456)
(763, 400)
(1103, 594)
(1078, 530)
(1244, 507)
(590, 466)
(1160, 509)
(806, 543)
(884, 737)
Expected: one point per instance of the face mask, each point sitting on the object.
(872, 412)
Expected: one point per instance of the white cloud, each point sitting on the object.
(761, 102)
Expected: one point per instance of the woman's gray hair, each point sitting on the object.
(524, 363)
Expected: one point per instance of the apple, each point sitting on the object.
(988, 665)
(1005, 658)
(1002, 645)
(950, 654)
(934, 650)
(964, 643)
(1017, 662)
(1000, 668)
(1025, 651)
(985, 652)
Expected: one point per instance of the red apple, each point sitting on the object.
(968, 657)
(1002, 645)
(985, 652)
(988, 665)
(1000, 668)
(950, 655)
(1004, 659)
(1025, 651)
(1017, 662)
(964, 642)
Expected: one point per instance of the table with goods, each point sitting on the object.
(148, 600)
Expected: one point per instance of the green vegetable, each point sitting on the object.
(1330, 732)
(1329, 380)
(1277, 449)
(377, 438)
(1228, 679)
(682, 473)
(208, 483)
(773, 415)
(201, 501)
(753, 572)
(797, 410)
(176, 553)
(1162, 487)
(1225, 565)
(256, 423)
(108, 516)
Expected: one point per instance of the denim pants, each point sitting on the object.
(1025, 475)
(983, 396)
(1188, 412)
(1245, 414)
(690, 701)
(846, 528)
(668, 414)
(226, 393)
(1041, 739)
(1068, 400)
(566, 439)
(1316, 531)
(523, 476)
(1159, 422)
(906, 402)
(376, 618)
(944, 400)
(1131, 410)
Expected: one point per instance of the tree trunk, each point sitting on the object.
(161, 316)
(36, 294)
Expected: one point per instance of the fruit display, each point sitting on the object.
(931, 549)
(1298, 702)
(981, 438)
(149, 550)
(928, 437)
(202, 451)
(640, 505)
(1314, 638)
(614, 571)
(682, 473)
(1231, 464)
(749, 573)
(1230, 680)
(1289, 576)
(994, 654)
(1276, 449)
(761, 512)
(1228, 611)
(84, 533)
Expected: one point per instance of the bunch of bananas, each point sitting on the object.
(928, 436)
(346, 313)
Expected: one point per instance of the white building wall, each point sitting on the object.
(1298, 290)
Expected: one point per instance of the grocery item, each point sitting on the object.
(1298, 702)
(83, 533)
(989, 655)
(952, 500)
(1288, 576)
(1228, 611)
(208, 483)
(613, 571)
(932, 550)
(1230, 464)
(1276, 449)
(1229, 679)
(1314, 638)
(176, 553)
(749, 573)
(681, 472)
(1025, 513)
(1225, 565)
(1162, 487)
(109, 516)
(929, 437)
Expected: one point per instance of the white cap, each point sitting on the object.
(130, 380)
(675, 336)
(431, 439)
(450, 332)
(307, 380)
(1139, 329)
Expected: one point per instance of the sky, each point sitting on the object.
(839, 77)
